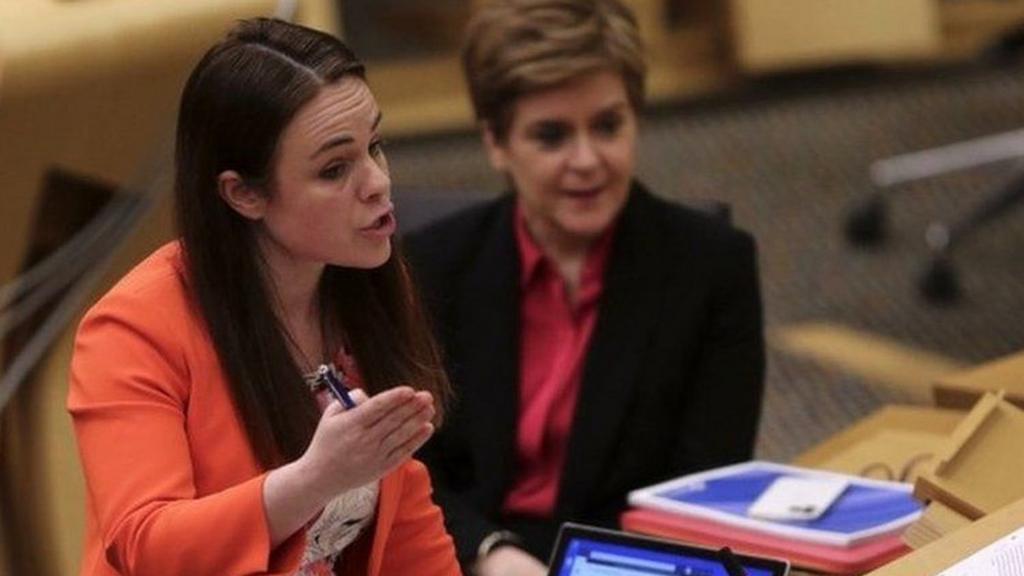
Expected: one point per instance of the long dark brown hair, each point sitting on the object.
(237, 102)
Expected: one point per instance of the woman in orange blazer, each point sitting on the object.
(211, 443)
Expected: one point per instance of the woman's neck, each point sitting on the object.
(567, 252)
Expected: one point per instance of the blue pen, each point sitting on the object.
(337, 386)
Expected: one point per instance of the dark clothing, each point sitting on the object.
(672, 380)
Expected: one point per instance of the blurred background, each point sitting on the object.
(871, 146)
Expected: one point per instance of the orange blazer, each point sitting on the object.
(173, 485)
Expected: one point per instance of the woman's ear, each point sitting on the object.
(243, 198)
(494, 148)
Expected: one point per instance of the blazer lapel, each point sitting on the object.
(628, 311)
(489, 349)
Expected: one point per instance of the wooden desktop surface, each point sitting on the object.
(963, 388)
(893, 435)
(949, 550)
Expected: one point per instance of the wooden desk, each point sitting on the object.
(893, 435)
(962, 389)
(949, 550)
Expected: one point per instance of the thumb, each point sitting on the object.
(333, 408)
(358, 396)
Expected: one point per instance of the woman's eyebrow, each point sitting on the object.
(547, 123)
(345, 139)
(333, 143)
(615, 107)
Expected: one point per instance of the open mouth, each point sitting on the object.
(583, 193)
(385, 224)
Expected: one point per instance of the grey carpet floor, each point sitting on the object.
(791, 158)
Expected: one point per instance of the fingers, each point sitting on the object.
(399, 432)
(420, 407)
(406, 449)
(372, 410)
(403, 425)
(389, 419)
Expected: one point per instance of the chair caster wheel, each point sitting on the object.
(939, 284)
(867, 223)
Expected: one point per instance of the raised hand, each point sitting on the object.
(359, 445)
(350, 448)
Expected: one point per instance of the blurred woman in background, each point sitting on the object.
(199, 386)
(597, 336)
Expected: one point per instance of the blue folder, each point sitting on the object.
(866, 508)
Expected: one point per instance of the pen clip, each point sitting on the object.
(328, 377)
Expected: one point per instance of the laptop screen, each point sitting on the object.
(586, 551)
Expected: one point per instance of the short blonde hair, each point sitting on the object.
(515, 47)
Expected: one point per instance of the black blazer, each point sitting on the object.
(672, 379)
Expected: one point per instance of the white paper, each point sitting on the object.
(1004, 557)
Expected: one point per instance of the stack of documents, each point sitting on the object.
(1002, 557)
(774, 509)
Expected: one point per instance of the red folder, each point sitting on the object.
(853, 560)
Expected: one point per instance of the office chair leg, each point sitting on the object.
(942, 237)
(939, 282)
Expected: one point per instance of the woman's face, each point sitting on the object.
(330, 200)
(570, 152)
